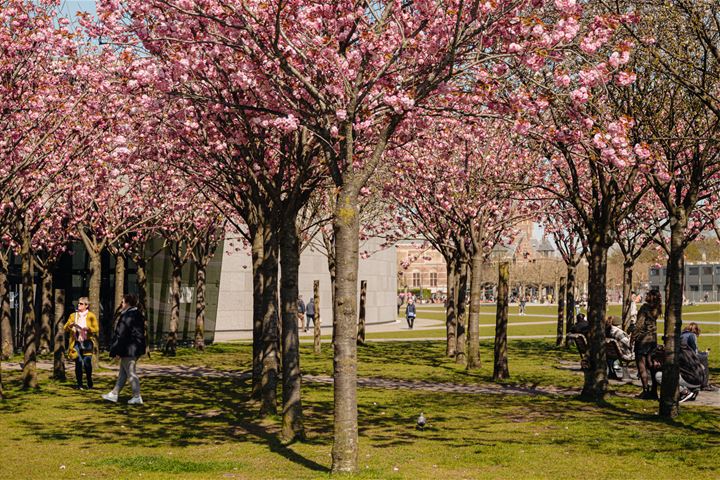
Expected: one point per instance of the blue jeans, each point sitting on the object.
(86, 362)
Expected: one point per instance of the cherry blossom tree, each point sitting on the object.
(563, 225)
(350, 73)
(677, 127)
(635, 233)
(588, 160)
(457, 193)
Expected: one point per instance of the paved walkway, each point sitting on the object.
(149, 370)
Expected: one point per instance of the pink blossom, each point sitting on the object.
(565, 5)
(562, 80)
(625, 78)
(642, 151)
(580, 95)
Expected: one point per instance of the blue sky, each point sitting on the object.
(70, 7)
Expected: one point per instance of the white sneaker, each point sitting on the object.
(110, 397)
(135, 401)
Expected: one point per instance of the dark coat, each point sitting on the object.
(129, 336)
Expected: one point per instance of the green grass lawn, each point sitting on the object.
(207, 428)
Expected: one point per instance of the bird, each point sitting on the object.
(421, 421)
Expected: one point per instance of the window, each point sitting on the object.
(694, 271)
(707, 288)
(416, 279)
(717, 270)
(654, 272)
(694, 288)
(433, 279)
(707, 270)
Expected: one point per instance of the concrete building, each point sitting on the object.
(702, 281)
(234, 307)
(228, 314)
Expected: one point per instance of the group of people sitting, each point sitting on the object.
(641, 345)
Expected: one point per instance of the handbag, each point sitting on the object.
(85, 347)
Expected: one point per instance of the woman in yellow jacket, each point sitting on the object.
(84, 327)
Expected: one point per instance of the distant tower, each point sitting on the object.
(526, 227)
(525, 248)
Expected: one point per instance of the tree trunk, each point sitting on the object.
(500, 368)
(570, 297)
(95, 275)
(595, 385)
(141, 263)
(460, 304)
(171, 343)
(561, 311)
(627, 293)
(361, 317)
(473, 360)
(29, 372)
(46, 313)
(292, 418)
(200, 285)
(257, 255)
(270, 327)
(316, 323)
(329, 241)
(59, 339)
(450, 309)
(347, 228)
(119, 286)
(6, 333)
(674, 281)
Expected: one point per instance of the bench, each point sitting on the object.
(612, 351)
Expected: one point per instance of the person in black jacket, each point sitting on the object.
(410, 312)
(128, 344)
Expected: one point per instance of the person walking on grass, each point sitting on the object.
(84, 327)
(410, 312)
(128, 345)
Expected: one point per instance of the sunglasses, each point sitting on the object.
(82, 303)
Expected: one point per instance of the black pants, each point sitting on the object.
(309, 318)
(410, 321)
(86, 362)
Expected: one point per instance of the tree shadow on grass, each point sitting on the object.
(178, 412)
(708, 417)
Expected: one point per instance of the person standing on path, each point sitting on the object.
(128, 344)
(310, 313)
(644, 340)
(523, 301)
(633, 312)
(84, 327)
(410, 312)
(301, 313)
